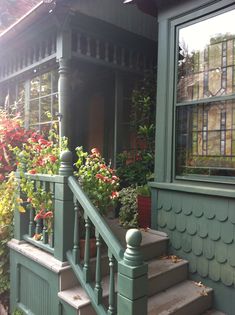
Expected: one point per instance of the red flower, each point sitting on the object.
(114, 195)
(52, 158)
(103, 166)
(29, 200)
(115, 177)
(39, 215)
(99, 176)
(43, 142)
(95, 151)
(48, 214)
(33, 171)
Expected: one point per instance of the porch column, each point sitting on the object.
(64, 90)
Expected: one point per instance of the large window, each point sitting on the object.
(205, 97)
(43, 100)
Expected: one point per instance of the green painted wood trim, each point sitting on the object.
(98, 221)
(154, 207)
(78, 270)
(196, 189)
(37, 64)
(38, 244)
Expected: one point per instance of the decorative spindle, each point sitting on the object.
(88, 52)
(130, 59)
(86, 266)
(111, 309)
(76, 252)
(106, 52)
(123, 57)
(115, 55)
(38, 227)
(79, 37)
(31, 221)
(44, 232)
(97, 49)
(98, 287)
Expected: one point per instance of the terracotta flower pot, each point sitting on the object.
(92, 248)
(144, 211)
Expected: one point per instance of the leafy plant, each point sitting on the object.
(8, 199)
(128, 212)
(97, 179)
(143, 191)
(135, 171)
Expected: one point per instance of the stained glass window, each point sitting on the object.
(205, 107)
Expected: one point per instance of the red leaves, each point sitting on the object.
(43, 215)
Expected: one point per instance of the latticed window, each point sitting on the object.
(205, 97)
(43, 100)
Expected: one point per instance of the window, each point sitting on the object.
(205, 97)
(43, 102)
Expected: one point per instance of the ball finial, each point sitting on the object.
(66, 156)
(133, 237)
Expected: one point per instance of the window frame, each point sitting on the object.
(176, 24)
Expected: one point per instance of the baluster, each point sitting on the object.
(97, 49)
(76, 251)
(31, 221)
(86, 266)
(130, 59)
(54, 43)
(115, 54)
(106, 53)
(88, 46)
(111, 309)
(123, 57)
(44, 232)
(98, 287)
(38, 227)
(46, 47)
(51, 234)
(79, 37)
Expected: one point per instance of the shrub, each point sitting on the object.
(128, 212)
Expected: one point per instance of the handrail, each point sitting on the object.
(102, 227)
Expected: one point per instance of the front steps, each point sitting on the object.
(169, 290)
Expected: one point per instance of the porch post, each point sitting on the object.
(63, 55)
(64, 97)
(132, 278)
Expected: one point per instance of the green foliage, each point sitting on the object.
(8, 199)
(97, 179)
(136, 172)
(17, 312)
(128, 212)
(144, 191)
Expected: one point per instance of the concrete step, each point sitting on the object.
(182, 299)
(154, 243)
(164, 273)
(213, 312)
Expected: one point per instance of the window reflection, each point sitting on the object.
(206, 62)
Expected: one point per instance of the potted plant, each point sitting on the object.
(128, 214)
(144, 206)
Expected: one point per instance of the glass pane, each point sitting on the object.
(34, 112)
(35, 87)
(45, 109)
(55, 77)
(55, 107)
(206, 62)
(46, 84)
(205, 139)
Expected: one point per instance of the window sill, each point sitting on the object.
(195, 188)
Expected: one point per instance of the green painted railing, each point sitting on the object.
(127, 274)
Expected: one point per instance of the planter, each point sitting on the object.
(92, 248)
(144, 211)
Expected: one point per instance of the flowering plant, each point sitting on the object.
(40, 155)
(11, 133)
(97, 179)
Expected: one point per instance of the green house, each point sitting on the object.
(79, 60)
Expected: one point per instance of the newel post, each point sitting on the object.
(64, 214)
(132, 278)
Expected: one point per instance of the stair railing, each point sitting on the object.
(127, 295)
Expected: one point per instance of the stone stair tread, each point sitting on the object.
(178, 298)
(162, 265)
(213, 312)
(148, 235)
(75, 296)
